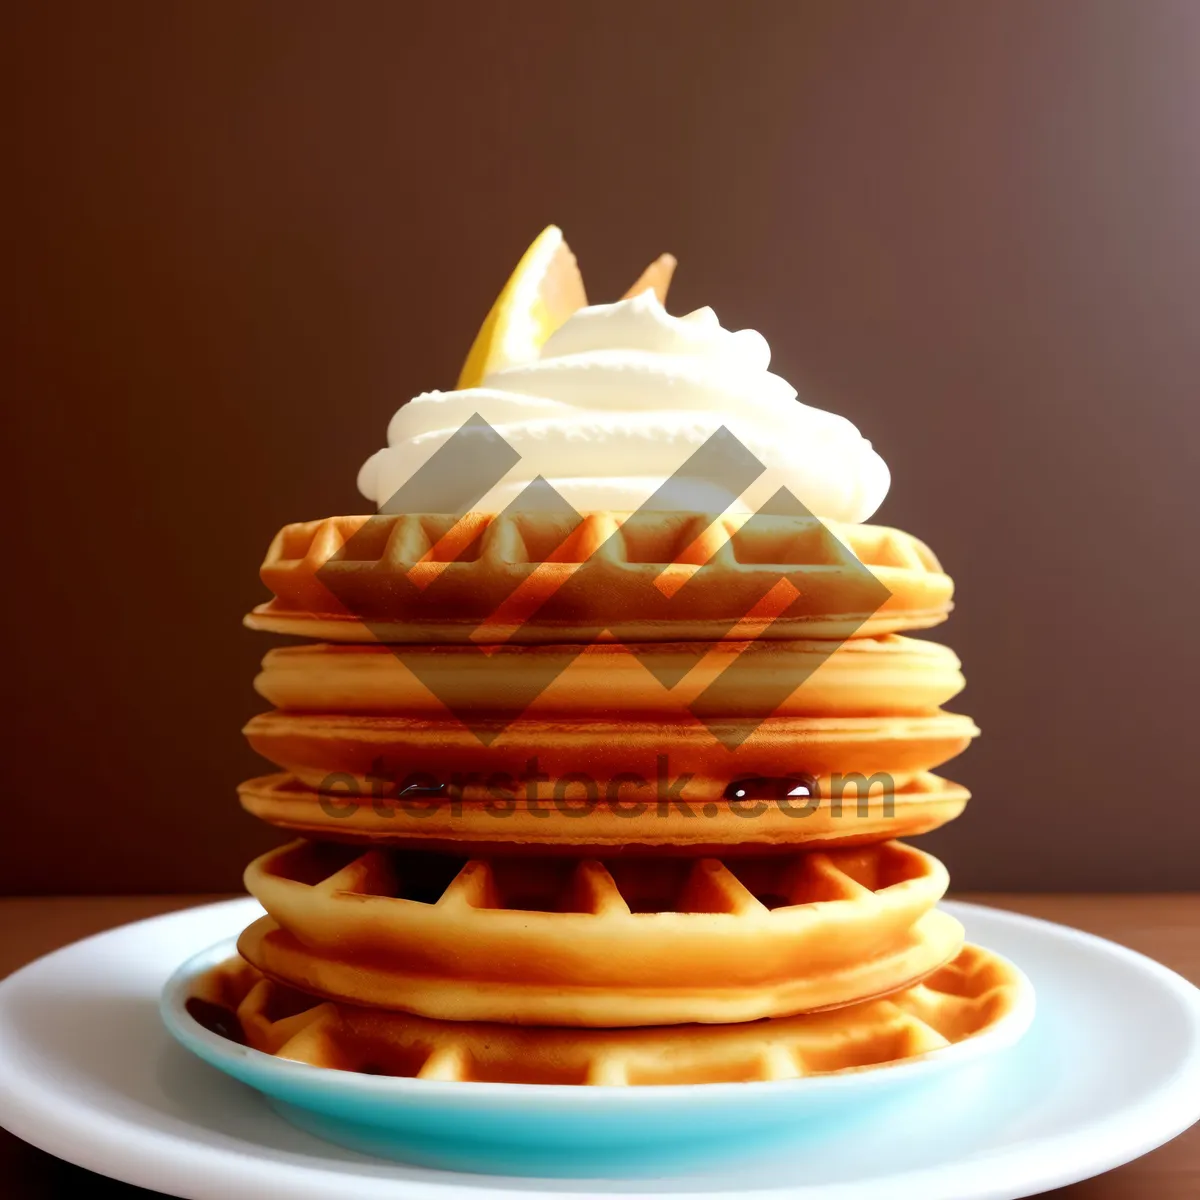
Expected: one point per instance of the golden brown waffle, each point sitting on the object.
(968, 997)
(584, 757)
(399, 575)
(474, 822)
(889, 675)
(631, 941)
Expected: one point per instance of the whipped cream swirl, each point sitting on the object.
(621, 395)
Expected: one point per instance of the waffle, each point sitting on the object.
(632, 941)
(970, 996)
(702, 822)
(865, 676)
(584, 758)
(542, 577)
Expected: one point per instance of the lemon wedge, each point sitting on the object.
(544, 290)
(656, 278)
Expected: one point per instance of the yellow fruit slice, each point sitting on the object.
(656, 277)
(544, 290)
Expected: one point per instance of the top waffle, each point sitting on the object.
(544, 577)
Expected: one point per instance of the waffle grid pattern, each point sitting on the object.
(422, 545)
(500, 568)
(628, 941)
(874, 878)
(962, 1000)
(402, 541)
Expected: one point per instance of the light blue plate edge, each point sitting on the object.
(565, 1131)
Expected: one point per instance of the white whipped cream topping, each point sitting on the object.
(619, 398)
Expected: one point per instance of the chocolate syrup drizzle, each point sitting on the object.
(763, 787)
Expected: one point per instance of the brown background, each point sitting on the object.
(238, 235)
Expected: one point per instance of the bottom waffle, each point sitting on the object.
(623, 941)
(932, 942)
(968, 997)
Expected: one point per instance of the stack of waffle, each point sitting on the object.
(609, 802)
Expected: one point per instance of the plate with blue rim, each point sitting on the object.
(1109, 1069)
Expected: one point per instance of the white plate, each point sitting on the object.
(1110, 1070)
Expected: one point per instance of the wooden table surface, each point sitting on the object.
(1165, 927)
